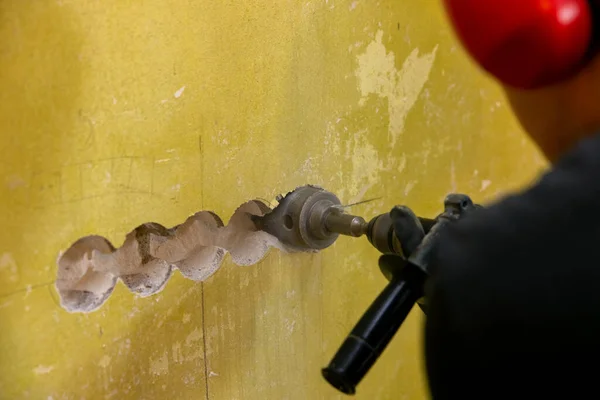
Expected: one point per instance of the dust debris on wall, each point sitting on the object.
(90, 268)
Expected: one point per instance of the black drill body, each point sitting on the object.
(310, 218)
(406, 242)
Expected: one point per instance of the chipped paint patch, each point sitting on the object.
(377, 74)
(179, 92)
(104, 361)
(43, 369)
(160, 366)
(194, 336)
(485, 184)
(14, 182)
(366, 164)
(409, 187)
(177, 353)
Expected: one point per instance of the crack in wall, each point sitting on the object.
(89, 270)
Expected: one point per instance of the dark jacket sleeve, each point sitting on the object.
(514, 297)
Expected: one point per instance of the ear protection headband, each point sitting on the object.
(527, 43)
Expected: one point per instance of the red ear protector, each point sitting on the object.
(527, 43)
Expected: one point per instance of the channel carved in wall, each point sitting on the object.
(90, 268)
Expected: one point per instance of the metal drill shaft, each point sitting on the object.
(345, 224)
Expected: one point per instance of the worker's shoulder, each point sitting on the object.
(519, 280)
(547, 229)
(567, 196)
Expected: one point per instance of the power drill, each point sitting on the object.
(311, 218)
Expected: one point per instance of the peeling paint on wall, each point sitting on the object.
(160, 365)
(377, 74)
(366, 165)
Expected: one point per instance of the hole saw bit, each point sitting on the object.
(310, 218)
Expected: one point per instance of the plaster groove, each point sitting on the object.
(90, 268)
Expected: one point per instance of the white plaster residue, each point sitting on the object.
(177, 353)
(179, 92)
(360, 196)
(353, 5)
(13, 182)
(306, 169)
(377, 74)
(43, 369)
(187, 317)
(402, 165)
(366, 164)
(104, 361)
(195, 336)
(160, 366)
(7, 262)
(409, 187)
(332, 140)
(212, 374)
(290, 325)
(485, 184)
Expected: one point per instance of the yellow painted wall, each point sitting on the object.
(118, 112)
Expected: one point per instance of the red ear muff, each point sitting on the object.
(525, 43)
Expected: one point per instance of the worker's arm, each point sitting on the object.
(514, 298)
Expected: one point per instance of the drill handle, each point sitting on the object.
(371, 335)
(407, 243)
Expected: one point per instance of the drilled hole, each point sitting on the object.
(88, 271)
(288, 222)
